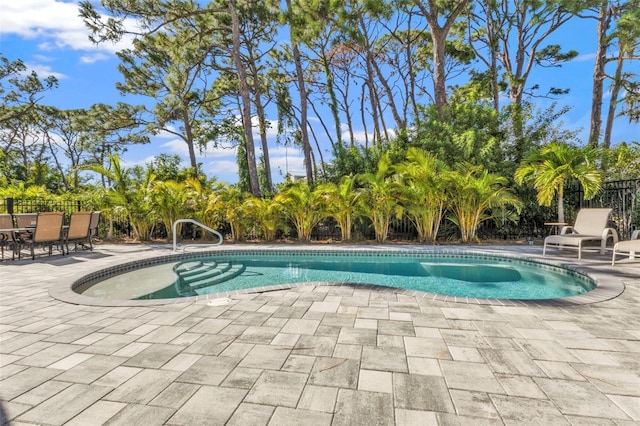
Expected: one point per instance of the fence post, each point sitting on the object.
(9, 201)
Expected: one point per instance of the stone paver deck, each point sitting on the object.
(315, 354)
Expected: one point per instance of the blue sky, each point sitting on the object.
(50, 37)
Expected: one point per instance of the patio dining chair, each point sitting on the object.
(7, 236)
(48, 231)
(79, 229)
(93, 227)
(590, 225)
(26, 220)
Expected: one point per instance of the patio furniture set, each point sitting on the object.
(47, 229)
(591, 225)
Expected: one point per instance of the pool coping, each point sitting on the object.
(607, 287)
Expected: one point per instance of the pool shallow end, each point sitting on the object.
(607, 286)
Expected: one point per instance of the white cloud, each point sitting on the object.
(142, 162)
(584, 58)
(286, 161)
(217, 161)
(272, 128)
(44, 71)
(225, 170)
(57, 23)
(165, 135)
(46, 46)
(218, 152)
(222, 162)
(281, 150)
(43, 58)
(96, 57)
(178, 146)
(359, 136)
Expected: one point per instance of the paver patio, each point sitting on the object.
(315, 354)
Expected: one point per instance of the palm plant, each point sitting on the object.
(379, 197)
(169, 201)
(474, 194)
(305, 208)
(267, 213)
(553, 165)
(95, 198)
(198, 201)
(20, 190)
(424, 193)
(128, 196)
(142, 216)
(227, 202)
(341, 201)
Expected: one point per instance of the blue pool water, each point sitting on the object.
(478, 276)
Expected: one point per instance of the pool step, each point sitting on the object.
(230, 273)
(205, 271)
(196, 274)
(193, 267)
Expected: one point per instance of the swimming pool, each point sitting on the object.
(461, 274)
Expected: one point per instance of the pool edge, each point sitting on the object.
(607, 288)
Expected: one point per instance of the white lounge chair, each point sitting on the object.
(590, 225)
(630, 247)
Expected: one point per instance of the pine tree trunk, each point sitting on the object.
(334, 100)
(604, 19)
(246, 101)
(613, 103)
(304, 131)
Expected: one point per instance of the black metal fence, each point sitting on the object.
(34, 205)
(623, 196)
(403, 229)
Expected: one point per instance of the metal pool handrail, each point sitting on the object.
(195, 222)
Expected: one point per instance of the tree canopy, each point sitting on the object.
(344, 82)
